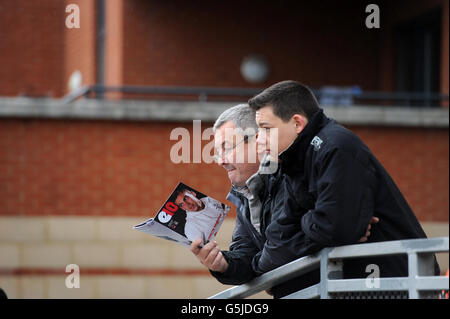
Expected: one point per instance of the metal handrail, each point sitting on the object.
(419, 283)
(204, 92)
(201, 92)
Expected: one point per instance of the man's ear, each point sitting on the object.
(300, 122)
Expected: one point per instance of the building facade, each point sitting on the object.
(75, 177)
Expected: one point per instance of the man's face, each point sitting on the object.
(235, 155)
(274, 134)
(187, 201)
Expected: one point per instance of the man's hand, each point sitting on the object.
(209, 255)
(363, 239)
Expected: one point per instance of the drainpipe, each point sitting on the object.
(100, 48)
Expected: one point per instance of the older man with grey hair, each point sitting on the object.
(235, 142)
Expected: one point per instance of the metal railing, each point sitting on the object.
(420, 283)
(201, 93)
(205, 93)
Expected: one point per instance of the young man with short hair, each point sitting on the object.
(332, 185)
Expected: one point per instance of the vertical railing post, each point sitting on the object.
(419, 264)
(412, 274)
(329, 269)
(425, 267)
(323, 289)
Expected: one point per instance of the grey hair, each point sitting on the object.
(242, 116)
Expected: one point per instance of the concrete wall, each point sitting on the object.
(115, 260)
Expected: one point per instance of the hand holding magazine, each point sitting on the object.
(185, 216)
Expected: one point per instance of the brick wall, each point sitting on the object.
(93, 168)
(32, 51)
(123, 168)
(417, 159)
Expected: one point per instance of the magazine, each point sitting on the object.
(186, 215)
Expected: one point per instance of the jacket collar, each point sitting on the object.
(234, 197)
(292, 159)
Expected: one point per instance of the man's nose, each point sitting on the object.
(220, 160)
(260, 139)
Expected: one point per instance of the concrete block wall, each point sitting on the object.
(115, 260)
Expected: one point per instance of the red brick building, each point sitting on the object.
(95, 159)
(203, 44)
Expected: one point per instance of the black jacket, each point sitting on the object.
(333, 176)
(327, 188)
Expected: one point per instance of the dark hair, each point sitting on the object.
(180, 191)
(287, 98)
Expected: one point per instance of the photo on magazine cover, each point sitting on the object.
(186, 215)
